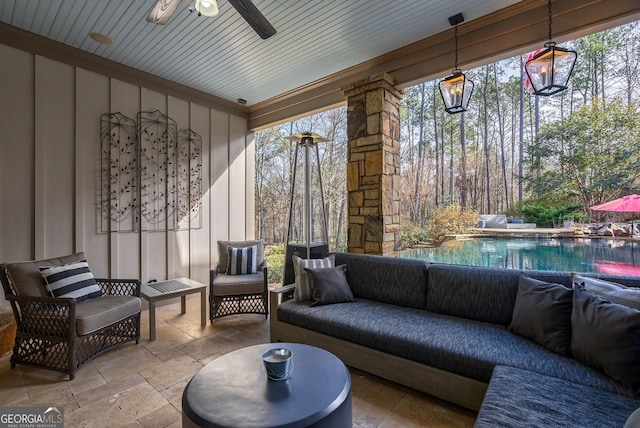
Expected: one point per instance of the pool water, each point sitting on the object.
(562, 254)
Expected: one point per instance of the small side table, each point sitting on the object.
(180, 287)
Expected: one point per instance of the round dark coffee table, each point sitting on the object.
(234, 391)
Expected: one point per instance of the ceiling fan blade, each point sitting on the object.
(162, 11)
(252, 15)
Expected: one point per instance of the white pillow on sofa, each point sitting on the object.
(303, 288)
(611, 291)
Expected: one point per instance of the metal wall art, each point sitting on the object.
(151, 174)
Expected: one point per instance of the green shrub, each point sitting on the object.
(551, 216)
(274, 254)
(451, 220)
(412, 234)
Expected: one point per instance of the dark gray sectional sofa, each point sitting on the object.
(442, 329)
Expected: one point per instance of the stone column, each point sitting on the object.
(373, 168)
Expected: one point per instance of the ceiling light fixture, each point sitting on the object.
(103, 39)
(456, 89)
(549, 71)
(207, 7)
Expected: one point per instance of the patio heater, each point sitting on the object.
(307, 249)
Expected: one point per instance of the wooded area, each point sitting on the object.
(511, 150)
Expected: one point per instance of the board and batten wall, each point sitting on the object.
(50, 169)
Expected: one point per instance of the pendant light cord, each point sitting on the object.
(456, 38)
(549, 7)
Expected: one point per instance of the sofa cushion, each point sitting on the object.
(26, 277)
(521, 398)
(392, 280)
(480, 294)
(231, 285)
(542, 313)
(94, 314)
(606, 336)
(468, 348)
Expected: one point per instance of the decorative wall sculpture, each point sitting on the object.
(151, 175)
(157, 135)
(118, 183)
(189, 179)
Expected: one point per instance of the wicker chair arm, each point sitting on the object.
(120, 287)
(50, 316)
(214, 273)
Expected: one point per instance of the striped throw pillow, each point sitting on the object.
(242, 260)
(303, 288)
(71, 280)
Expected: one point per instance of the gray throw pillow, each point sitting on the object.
(611, 291)
(606, 336)
(329, 285)
(542, 313)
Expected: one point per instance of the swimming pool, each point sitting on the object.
(564, 254)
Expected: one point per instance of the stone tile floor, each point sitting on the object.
(142, 385)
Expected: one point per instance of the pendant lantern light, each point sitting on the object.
(456, 89)
(549, 70)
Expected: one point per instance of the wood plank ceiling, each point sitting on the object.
(222, 56)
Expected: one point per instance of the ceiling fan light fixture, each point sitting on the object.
(207, 7)
(162, 11)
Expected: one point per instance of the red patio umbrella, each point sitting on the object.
(626, 204)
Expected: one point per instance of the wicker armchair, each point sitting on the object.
(62, 334)
(238, 294)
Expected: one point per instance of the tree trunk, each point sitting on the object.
(463, 163)
(418, 176)
(521, 133)
(437, 152)
(501, 133)
(487, 155)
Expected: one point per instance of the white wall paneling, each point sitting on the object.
(16, 156)
(200, 250)
(249, 179)
(219, 168)
(237, 178)
(54, 157)
(92, 101)
(51, 171)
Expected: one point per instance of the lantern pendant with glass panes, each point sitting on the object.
(549, 71)
(456, 92)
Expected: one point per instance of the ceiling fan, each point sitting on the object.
(164, 9)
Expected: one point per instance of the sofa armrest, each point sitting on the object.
(282, 294)
(120, 287)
